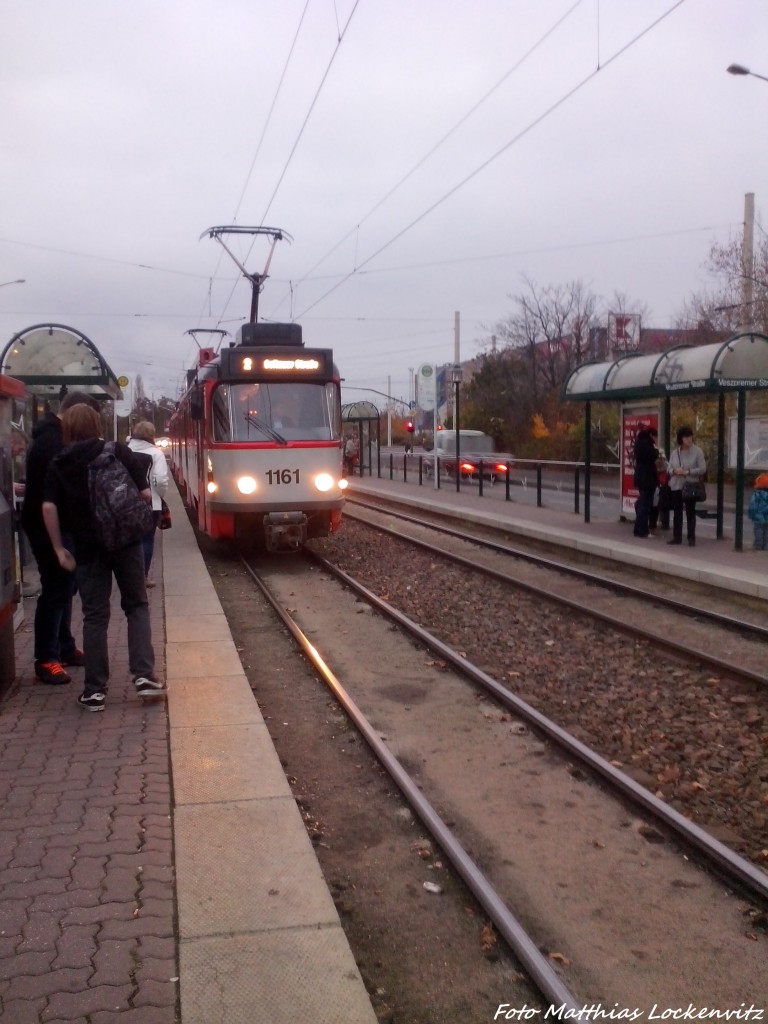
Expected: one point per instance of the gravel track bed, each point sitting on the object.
(697, 741)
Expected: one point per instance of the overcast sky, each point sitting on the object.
(425, 156)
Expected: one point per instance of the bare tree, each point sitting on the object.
(552, 326)
(721, 306)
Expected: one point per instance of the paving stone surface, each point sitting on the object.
(87, 897)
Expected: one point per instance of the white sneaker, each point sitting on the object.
(146, 686)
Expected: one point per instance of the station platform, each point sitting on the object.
(712, 562)
(154, 866)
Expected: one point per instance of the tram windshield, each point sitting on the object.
(295, 411)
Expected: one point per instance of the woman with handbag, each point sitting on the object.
(687, 466)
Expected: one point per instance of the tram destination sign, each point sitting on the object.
(241, 363)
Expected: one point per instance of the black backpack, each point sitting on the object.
(119, 514)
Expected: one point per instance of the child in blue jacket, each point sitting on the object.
(758, 512)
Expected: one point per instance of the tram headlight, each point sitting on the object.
(343, 484)
(212, 487)
(246, 485)
(324, 482)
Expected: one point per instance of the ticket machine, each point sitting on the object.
(12, 404)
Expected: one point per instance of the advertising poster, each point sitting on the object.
(633, 419)
(755, 442)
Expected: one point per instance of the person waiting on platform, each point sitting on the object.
(143, 440)
(645, 479)
(55, 646)
(758, 512)
(350, 454)
(686, 464)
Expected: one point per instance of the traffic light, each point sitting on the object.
(409, 426)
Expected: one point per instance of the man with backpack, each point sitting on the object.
(99, 492)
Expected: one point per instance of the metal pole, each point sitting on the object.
(587, 460)
(458, 436)
(747, 262)
(457, 375)
(720, 462)
(740, 437)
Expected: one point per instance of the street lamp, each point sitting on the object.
(19, 280)
(739, 69)
(456, 381)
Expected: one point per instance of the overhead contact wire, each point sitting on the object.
(444, 138)
(298, 137)
(249, 175)
(491, 159)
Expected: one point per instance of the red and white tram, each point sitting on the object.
(256, 442)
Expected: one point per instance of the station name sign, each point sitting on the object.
(240, 363)
(749, 382)
(719, 384)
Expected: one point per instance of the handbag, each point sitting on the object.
(694, 491)
(165, 517)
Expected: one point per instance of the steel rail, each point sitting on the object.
(734, 867)
(659, 600)
(538, 968)
(636, 632)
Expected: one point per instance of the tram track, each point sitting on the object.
(742, 626)
(539, 970)
(693, 736)
(715, 855)
(745, 874)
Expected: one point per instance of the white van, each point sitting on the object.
(471, 442)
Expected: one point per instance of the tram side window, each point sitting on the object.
(333, 408)
(221, 429)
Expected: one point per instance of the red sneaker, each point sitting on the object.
(52, 673)
(76, 658)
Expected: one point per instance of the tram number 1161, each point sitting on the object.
(282, 476)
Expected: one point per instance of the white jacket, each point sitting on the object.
(159, 477)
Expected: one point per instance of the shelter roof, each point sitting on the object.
(739, 362)
(359, 411)
(49, 357)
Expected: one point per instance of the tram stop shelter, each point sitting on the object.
(51, 359)
(738, 365)
(363, 415)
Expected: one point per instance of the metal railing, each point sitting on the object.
(434, 471)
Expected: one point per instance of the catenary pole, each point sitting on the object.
(747, 262)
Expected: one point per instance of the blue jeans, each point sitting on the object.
(761, 536)
(53, 615)
(94, 580)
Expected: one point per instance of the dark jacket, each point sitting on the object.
(66, 486)
(646, 477)
(47, 442)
